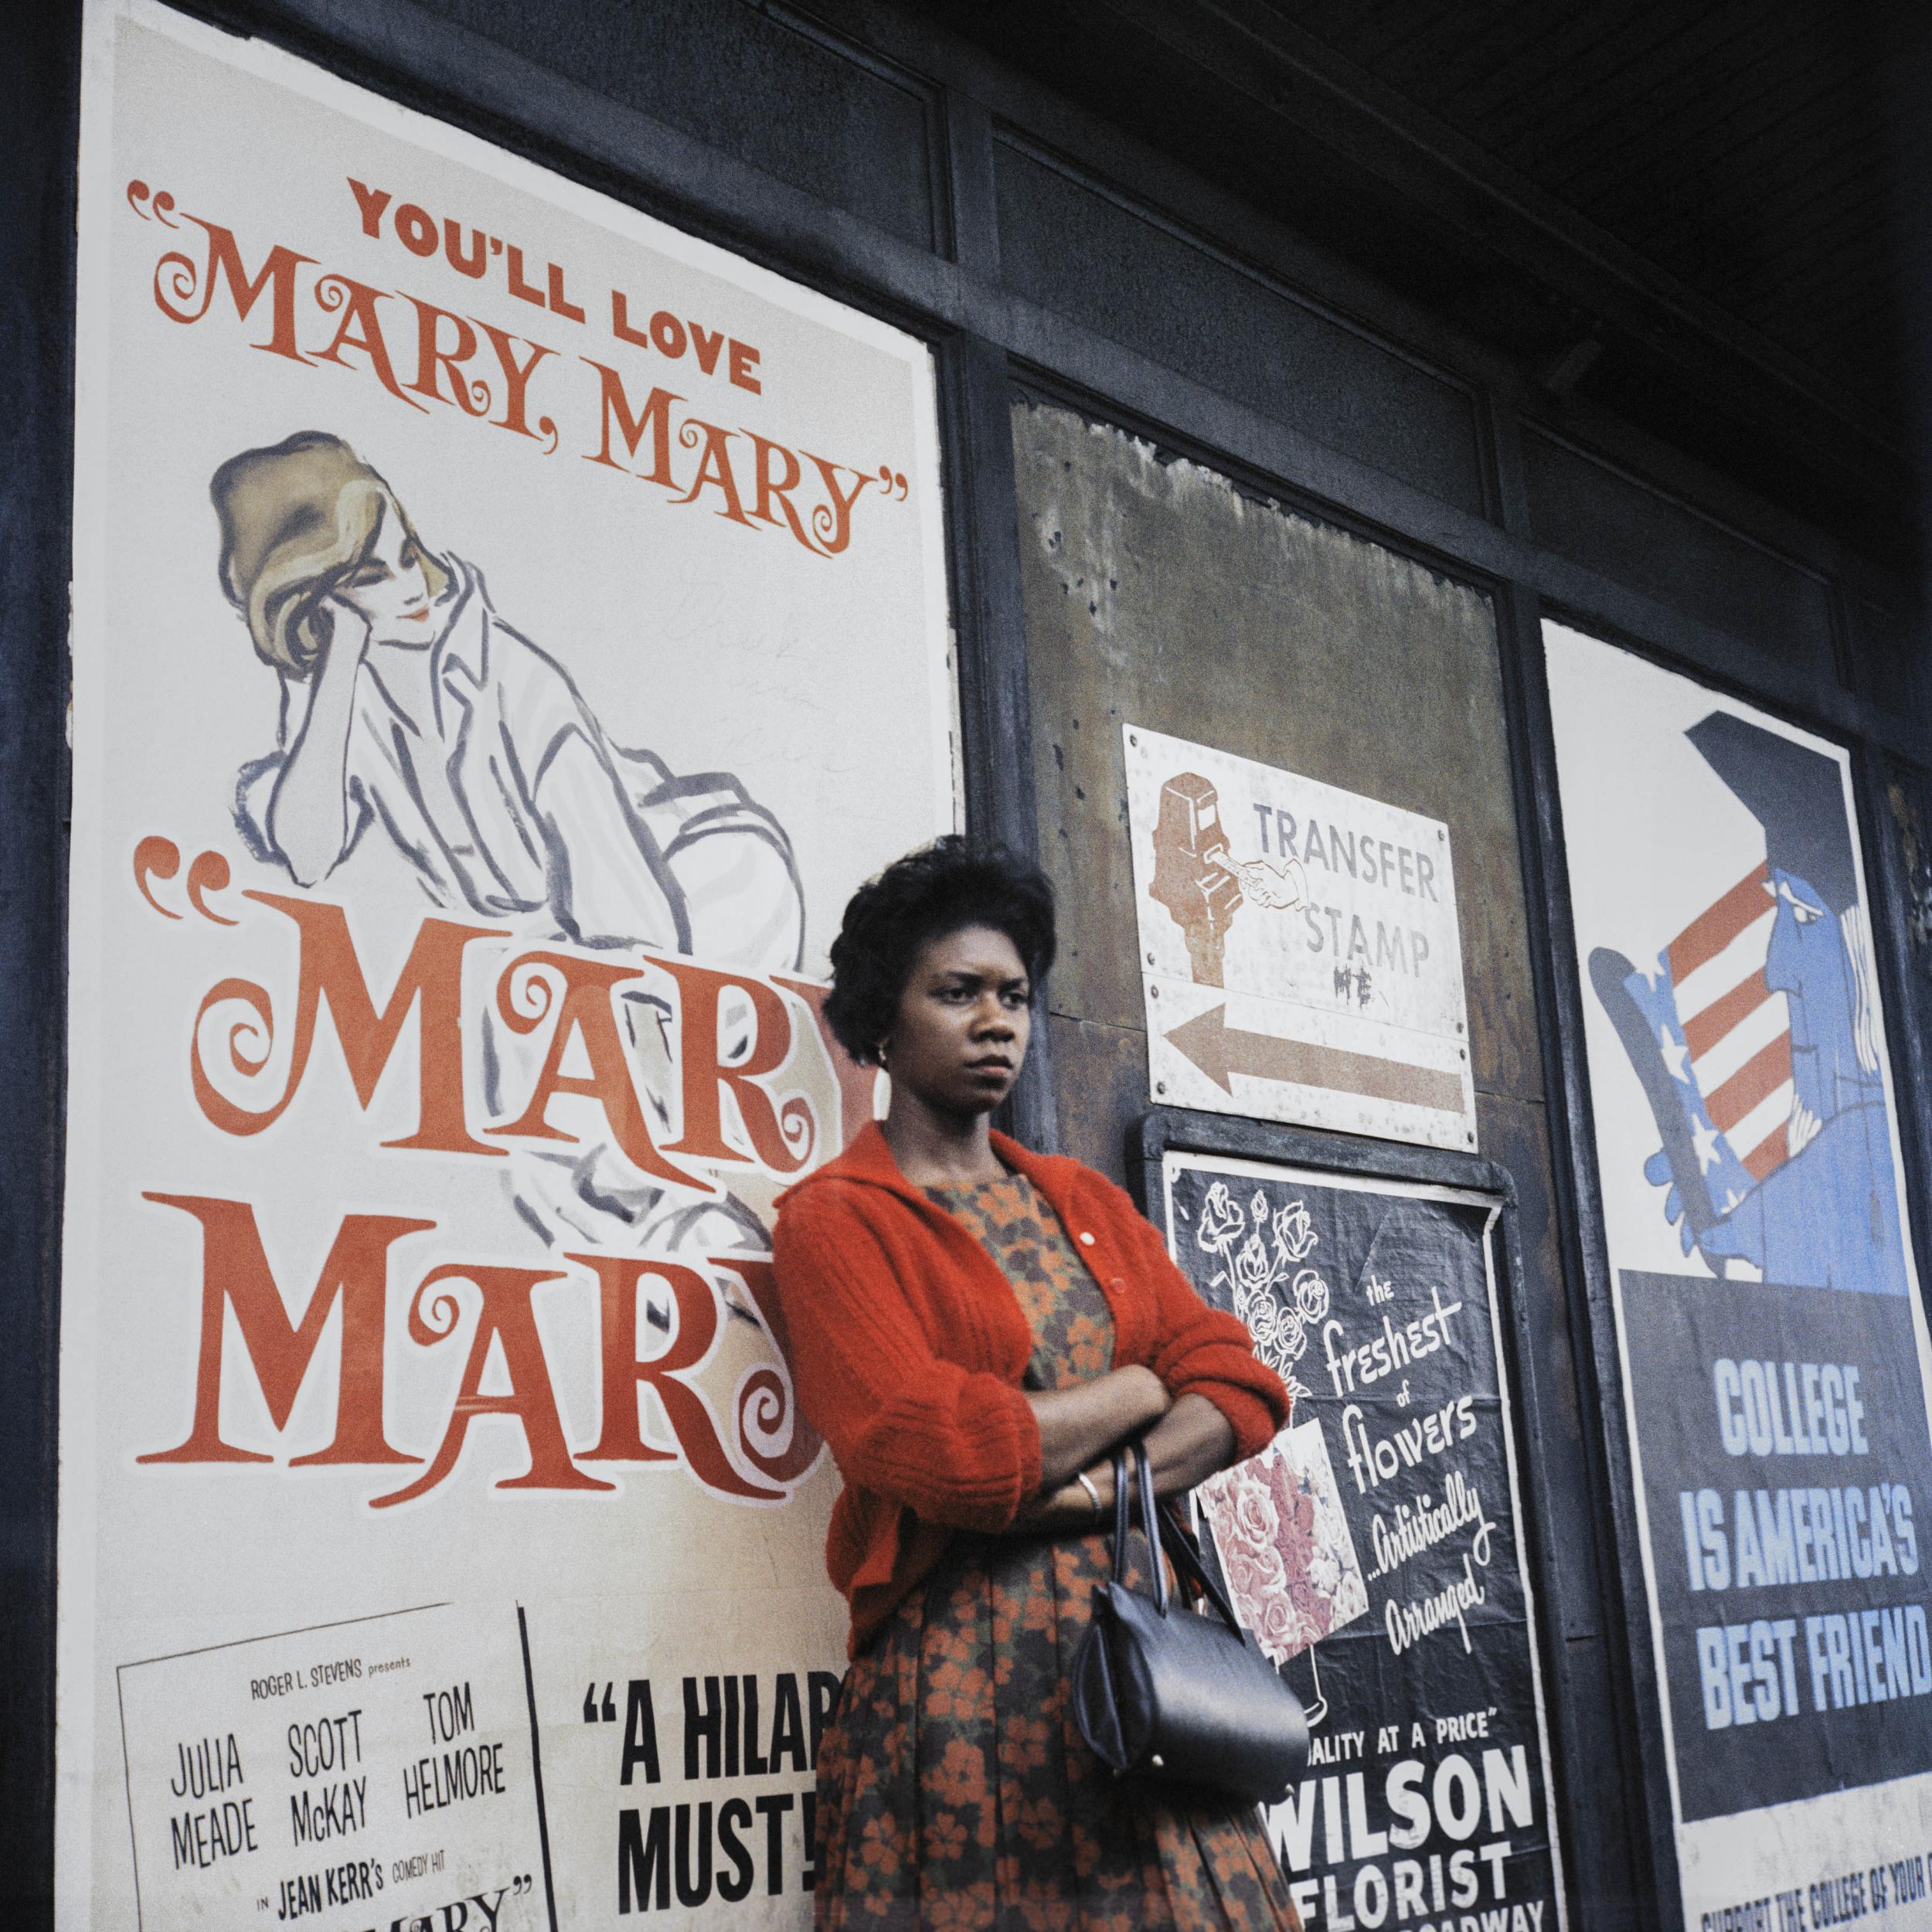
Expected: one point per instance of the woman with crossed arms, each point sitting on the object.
(975, 1328)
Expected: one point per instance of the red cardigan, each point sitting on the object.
(908, 1348)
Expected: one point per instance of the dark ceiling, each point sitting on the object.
(1754, 152)
(1710, 220)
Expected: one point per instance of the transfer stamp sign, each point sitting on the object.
(1374, 1548)
(506, 630)
(1300, 955)
(1773, 1349)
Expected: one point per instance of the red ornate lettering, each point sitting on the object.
(714, 467)
(357, 301)
(433, 360)
(832, 522)
(858, 1086)
(431, 981)
(524, 997)
(177, 275)
(516, 385)
(236, 1274)
(507, 1317)
(766, 1400)
(655, 416)
(695, 1301)
(777, 489)
(782, 1137)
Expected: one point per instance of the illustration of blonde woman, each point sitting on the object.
(407, 704)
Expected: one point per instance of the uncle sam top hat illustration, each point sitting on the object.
(1794, 793)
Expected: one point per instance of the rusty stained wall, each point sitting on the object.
(1157, 594)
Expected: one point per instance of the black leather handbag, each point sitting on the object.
(1171, 1692)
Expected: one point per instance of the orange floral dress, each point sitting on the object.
(955, 1788)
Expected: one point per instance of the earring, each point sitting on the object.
(883, 1045)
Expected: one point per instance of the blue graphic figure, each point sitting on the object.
(1827, 1215)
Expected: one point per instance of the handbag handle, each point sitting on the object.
(1163, 1531)
(1132, 1458)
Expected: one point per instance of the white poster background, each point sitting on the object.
(721, 643)
(1300, 958)
(1652, 837)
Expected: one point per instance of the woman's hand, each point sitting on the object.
(341, 641)
(309, 813)
(1080, 1425)
(1056, 1511)
(1190, 1442)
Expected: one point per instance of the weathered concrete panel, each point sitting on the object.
(1156, 592)
(1099, 1078)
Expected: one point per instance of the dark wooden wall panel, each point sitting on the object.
(1123, 273)
(1596, 515)
(783, 97)
(1897, 805)
(39, 129)
(1892, 660)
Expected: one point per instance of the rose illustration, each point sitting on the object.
(1254, 1512)
(1251, 1268)
(1295, 1235)
(1275, 1627)
(1222, 1220)
(1311, 1294)
(1295, 1337)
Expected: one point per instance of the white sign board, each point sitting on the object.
(506, 630)
(1300, 955)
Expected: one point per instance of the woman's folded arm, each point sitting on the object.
(1202, 1350)
(957, 1447)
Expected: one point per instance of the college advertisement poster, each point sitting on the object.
(505, 629)
(1773, 1342)
(1374, 1547)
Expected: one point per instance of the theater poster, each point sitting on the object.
(504, 631)
(1772, 1338)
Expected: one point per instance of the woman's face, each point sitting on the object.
(389, 589)
(963, 1023)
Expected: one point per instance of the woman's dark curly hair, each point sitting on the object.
(940, 889)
